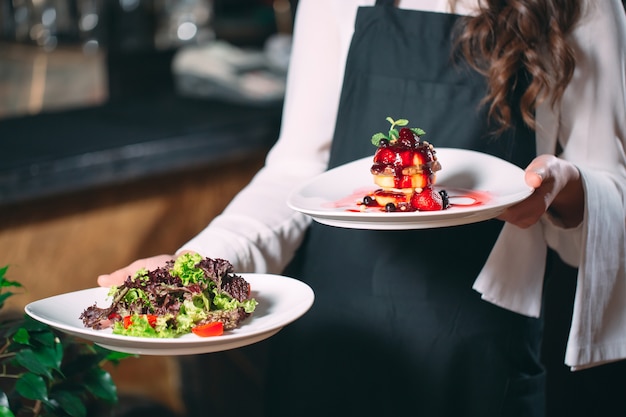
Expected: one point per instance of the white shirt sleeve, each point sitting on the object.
(257, 232)
(593, 136)
(592, 133)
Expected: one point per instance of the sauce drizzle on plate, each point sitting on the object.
(459, 198)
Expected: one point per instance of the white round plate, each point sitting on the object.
(281, 300)
(480, 187)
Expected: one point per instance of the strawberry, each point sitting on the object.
(385, 156)
(427, 200)
(404, 157)
(395, 156)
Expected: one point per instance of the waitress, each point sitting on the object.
(446, 321)
(396, 328)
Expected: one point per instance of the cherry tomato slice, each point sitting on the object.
(152, 318)
(214, 328)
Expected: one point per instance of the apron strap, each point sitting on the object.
(386, 3)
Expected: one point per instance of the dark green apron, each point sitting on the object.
(396, 328)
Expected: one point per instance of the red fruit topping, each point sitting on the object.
(404, 181)
(427, 200)
(405, 157)
(395, 156)
(407, 138)
(386, 156)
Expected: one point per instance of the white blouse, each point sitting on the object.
(257, 232)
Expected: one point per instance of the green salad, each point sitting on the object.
(189, 295)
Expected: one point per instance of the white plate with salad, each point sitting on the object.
(281, 300)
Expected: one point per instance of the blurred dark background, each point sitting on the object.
(94, 77)
(138, 37)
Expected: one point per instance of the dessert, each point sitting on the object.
(405, 167)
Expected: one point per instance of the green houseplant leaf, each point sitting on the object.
(32, 386)
(71, 403)
(100, 384)
(45, 373)
(6, 412)
(5, 283)
(22, 336)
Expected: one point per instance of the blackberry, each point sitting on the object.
(445, 199)
(407, 138)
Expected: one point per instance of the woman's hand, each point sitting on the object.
(119, 276)
(558, 188)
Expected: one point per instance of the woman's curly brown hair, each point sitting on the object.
(507, 36)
